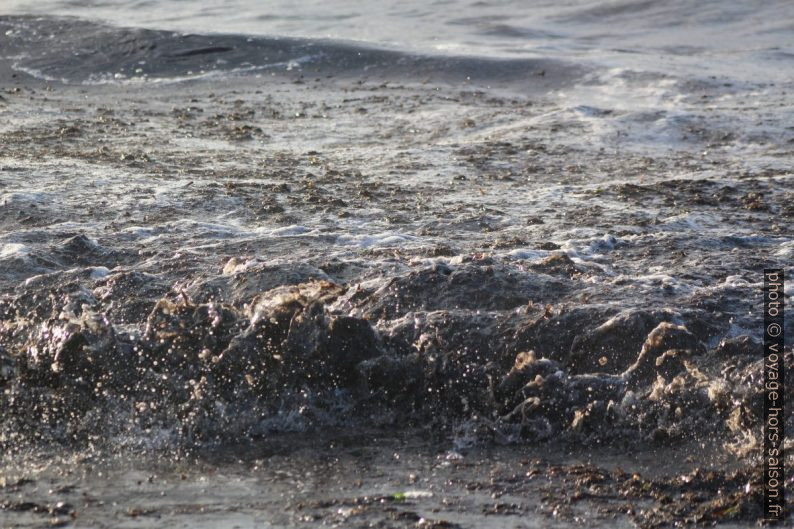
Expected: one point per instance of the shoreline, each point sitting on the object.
(222, 261)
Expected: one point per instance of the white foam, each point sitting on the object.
(290, 231)
(7, 199)
(589, 248)
(786, 249)
(378, 239)
(13, 250)
(139, 231)
(99, 272)
(527, 254)
(655, 280)
(735, 281)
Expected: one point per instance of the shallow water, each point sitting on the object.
(384, 479)
(492, 236)
(742, 39)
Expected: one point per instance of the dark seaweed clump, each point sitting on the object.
(478, 350)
